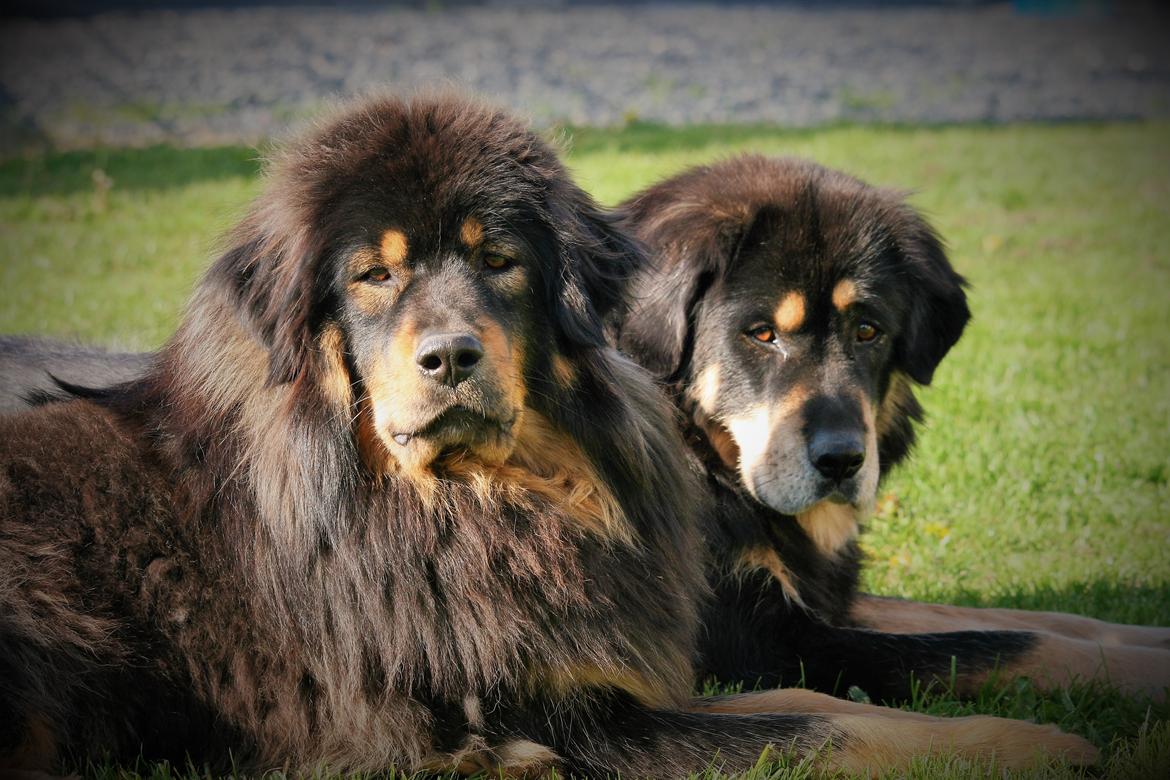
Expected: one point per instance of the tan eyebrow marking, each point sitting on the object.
(471, 233)
(844, 294)
(790, 312)
(394, 247)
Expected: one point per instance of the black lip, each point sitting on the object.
(839, 492)
(457, 418)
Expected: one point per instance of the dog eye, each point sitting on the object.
(376, 275)
(866, 332)
(764, 334)
(496, 262)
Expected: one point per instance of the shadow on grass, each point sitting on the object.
(152, 168)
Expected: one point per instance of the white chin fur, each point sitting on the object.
(793, 489)
(774, 466)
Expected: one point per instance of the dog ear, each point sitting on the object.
(691, 243)
(598, 257)
(272, 273)
(938, 309)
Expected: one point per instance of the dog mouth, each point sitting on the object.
(803, 496)
(838, 493)
(837, 496)
(457, 426)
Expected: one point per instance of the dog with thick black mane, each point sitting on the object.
(388, 498)
(791, 310)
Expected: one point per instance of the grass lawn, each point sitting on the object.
(1042, 476)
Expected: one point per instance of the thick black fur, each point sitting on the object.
(728, 242)
(284, 547)
(293, 542)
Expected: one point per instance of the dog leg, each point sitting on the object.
(797, 700)
(900, 616)
(1056, 661)
(832, 658)
(875, 739)
(657, 743)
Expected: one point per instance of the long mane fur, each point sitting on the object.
(346, 603)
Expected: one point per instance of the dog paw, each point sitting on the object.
(1072, 748)
(874, 744)
(1014, 744)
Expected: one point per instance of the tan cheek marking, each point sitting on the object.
(829, 526)
(390, 376)
(397, 368)
(790, 404)
(844, 294)
(898, 399)
(394, 247)
(790, 312)
(752, 431)
(471, 232)
(369, 299)
(765, 558)
(870, 469)
(707, 388)
(335, 379)
(371, 448)
(506, 357)
(397, 397)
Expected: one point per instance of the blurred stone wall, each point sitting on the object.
(209, 75)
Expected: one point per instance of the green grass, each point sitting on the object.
(1042, 477)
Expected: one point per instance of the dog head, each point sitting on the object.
(793, 306)
(398, 378)
(424, 263)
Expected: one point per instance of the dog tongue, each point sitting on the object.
(402, 438)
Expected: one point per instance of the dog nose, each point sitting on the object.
(836, 454)
(449, 358)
